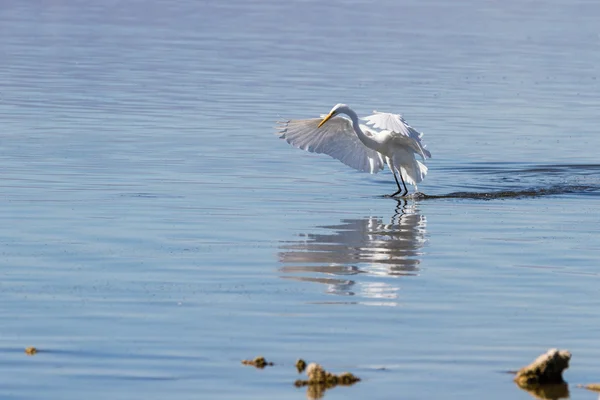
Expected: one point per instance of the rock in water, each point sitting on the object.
(547, 368)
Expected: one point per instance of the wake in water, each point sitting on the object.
(541, 180)
(510, 194)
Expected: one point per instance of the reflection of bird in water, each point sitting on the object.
(356, 246)
(382, 138)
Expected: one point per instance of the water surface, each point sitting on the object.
(154, 231)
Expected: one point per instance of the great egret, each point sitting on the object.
(385, 138)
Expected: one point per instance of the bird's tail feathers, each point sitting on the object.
(414, 172)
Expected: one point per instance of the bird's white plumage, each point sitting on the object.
(395, 123)
(336, 139)
(385, 138)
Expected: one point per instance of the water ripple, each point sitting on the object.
(513, 194)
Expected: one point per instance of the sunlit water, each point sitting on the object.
(154, 231)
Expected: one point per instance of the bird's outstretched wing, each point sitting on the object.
(336, 138)
(395, 123)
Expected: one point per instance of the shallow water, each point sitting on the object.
(155, 232)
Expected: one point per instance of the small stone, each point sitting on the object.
(300, 365)
(30, 351)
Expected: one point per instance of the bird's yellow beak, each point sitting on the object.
(325, 119)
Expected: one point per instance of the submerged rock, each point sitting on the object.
(318, 376)
(258, 362)
(548, 391)
(546, 369)
(594, 387)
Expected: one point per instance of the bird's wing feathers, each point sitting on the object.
(395, 123)
(336, 138)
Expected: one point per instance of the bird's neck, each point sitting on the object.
(367, 140)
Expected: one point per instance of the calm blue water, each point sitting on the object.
(154, 231)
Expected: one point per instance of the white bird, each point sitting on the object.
(384, 138)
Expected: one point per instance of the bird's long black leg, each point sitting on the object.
(403, 184)
(397, 183)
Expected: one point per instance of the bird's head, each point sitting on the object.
(335, 110)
